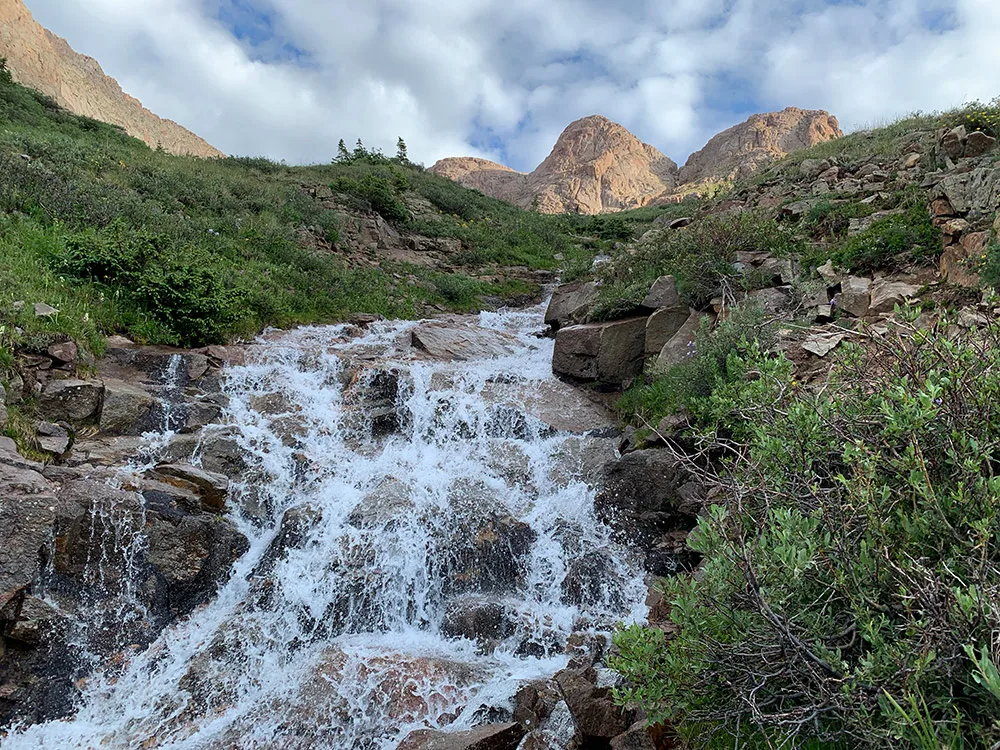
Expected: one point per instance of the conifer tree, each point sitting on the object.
(343, 155)
(401, 154)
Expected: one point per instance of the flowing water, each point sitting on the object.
(420, 548)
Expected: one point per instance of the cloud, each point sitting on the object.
(502, 78)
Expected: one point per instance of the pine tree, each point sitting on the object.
(343, 155)
(5, 75)
(360, 152)
(401, 155)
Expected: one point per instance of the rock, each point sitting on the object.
(960, 262)
(663, 293)
(680, 223)
(454, 343)
(636, 737)
(593, 708)
(487, 737)
(380, 507)
(587, 578)
(662, 326)
(71, 400)
(293, 533)
(813, 168)
(570, 303)
(644, 494)
(211, 487)
(910, 161)
(680, 346)
(27, 515)
(43, 310)
(609, 352)
(485, 552)
(65, 352)
(887, 294)
(7, 445)
(821, 345)
(476, 618)
(124, 406)
(974, 194)
(855, 296)
(34, 622)
(197, 365)
(978, 143)
(772, 300)
(953, 143)
(828, 274)
(52, 438)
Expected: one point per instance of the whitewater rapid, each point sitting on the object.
(335, 628)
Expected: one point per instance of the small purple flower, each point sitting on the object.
(833, 302)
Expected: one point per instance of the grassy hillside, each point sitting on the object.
(120, 238)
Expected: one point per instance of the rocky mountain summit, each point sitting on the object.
(598, 166)
(40, 59)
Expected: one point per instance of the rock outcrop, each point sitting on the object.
(598, 166)
(745, 148)
(40, 59)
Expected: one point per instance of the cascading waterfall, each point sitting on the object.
(420, 548)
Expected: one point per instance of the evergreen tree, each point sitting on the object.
(5, 76)
(343, 155)
(360, 152)
(401, 155)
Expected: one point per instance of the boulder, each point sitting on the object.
(487, 737)
(458, 342)
(27, 515)
(887, 294)
(974, 194)
(978, 143)
(476, 618)
(609, 352)
(43, 310)
(644, 494)
(855, 296)
(813, 168)
(570, 303)
(124, 407)
(636, 737)
(52, 438)
(211, 487)
(680, 346)
(662, 325)
(663, 293)
(380, 508)
(64, 352)
(960, 262)
(71, 400)
(594, 710)
(953, 143)
(587, 578)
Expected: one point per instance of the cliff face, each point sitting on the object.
(40, 59)
(745, 148)
(598, 166)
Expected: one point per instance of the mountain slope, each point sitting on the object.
(598, 166)
(40, 59)
(594, 167)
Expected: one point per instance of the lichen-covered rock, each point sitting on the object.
(71, 400)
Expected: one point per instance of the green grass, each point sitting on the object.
(168, 249)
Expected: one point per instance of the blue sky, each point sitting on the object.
(502, 78)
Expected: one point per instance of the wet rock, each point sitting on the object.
(642, 499)
(855, 296)
(383, 505)
(211, 487)
(476, 618)
(609, 352)
(27, 514)
(31, 622)
(125, 406)
(662, 326)
(534, 703)
(296, 525)
(455, 342)
(570, 304)
(663, 293)
(197, 365)
(71, 400)
(488, 737)
(887, 294)
(593, 708)
(52, 438)
(587, 578)
(565, 408)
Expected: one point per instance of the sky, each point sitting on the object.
(500, 79)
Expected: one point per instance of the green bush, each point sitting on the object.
(976, 116)
(831, 220)
(854, 564)
(608, 228)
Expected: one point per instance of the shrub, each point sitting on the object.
(854, 567)
(893, 241)
(976, 116)
(608, 228)
(700, 257)
(379, 192)
(831, 220)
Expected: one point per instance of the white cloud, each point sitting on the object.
(482, 77)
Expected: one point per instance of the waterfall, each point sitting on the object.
(421, 546)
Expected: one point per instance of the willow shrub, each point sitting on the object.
(850, 594)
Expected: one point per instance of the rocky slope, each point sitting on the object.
(744, 149)
(40, 59)
(598, 166)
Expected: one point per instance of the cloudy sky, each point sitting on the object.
(502, 78)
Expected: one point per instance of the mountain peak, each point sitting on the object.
(38, 58)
